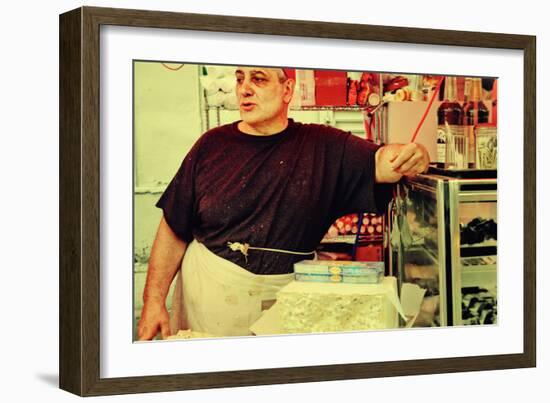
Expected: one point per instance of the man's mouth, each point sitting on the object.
(247, 106)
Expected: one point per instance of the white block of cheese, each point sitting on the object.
(332, 307)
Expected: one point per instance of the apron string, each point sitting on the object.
(244, 248)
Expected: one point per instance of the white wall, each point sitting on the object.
(29, 219)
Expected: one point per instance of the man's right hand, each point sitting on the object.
(154, 317)
(166, 257)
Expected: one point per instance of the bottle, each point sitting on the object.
(449, 121)
(467, 89)
(475, 112)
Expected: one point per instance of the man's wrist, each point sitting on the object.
(153, 298)
(377, 157)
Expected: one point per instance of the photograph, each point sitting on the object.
(273, 200)
(257, 201)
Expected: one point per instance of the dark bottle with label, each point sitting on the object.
(475, 112)
(449, 119)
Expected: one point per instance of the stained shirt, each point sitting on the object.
(281, 191)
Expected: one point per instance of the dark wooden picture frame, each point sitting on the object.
(80, 199)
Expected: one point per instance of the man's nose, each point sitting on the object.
(245, 88)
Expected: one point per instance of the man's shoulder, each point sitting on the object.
(207, 140)
(219, 130)
(216, 133)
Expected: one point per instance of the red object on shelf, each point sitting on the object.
(351, 92)
(290, 73)
(330, 87)
(494, 103)
(370, 253)
(396, 83)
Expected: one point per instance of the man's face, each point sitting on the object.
(263, 98)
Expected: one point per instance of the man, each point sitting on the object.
(249, 200)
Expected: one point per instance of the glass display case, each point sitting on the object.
(444, 239)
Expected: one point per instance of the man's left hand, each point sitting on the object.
(396, 160)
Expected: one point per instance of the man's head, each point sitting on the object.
(264, 95)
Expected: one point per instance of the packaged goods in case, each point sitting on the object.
(354, 224)
(337, 267)
(479, 306)
(486, 147)
(330, 271)
(320, 278)
(478, 231)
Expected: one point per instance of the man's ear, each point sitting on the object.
(289, 90)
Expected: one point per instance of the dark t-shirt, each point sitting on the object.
(281, 191)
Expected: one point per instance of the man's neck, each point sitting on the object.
(263, 129)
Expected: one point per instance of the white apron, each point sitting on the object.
(218, 297)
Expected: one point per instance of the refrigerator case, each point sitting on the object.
(444, 238)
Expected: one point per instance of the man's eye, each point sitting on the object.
(259, 79)
(239, 80)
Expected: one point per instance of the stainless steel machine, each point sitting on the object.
(444, 238)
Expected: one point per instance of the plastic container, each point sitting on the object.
(373, 278)
(339, 271)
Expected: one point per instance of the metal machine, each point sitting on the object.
(444, 238)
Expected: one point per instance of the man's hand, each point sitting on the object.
(154, 317)
(412, 159)
(166, 257)
(396, 160)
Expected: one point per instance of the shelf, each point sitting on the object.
(463, 173)
(328, 108)
(340, 239)
(476, 271)
(485, 277)
(420, 256)
(350, 239)
(487, 260)
(477, 250)
(479, 266)
(301, 108)
(489, 243)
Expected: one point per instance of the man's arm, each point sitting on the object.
(166, 256)
(396, 160)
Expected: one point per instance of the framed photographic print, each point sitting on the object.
(225, 219)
